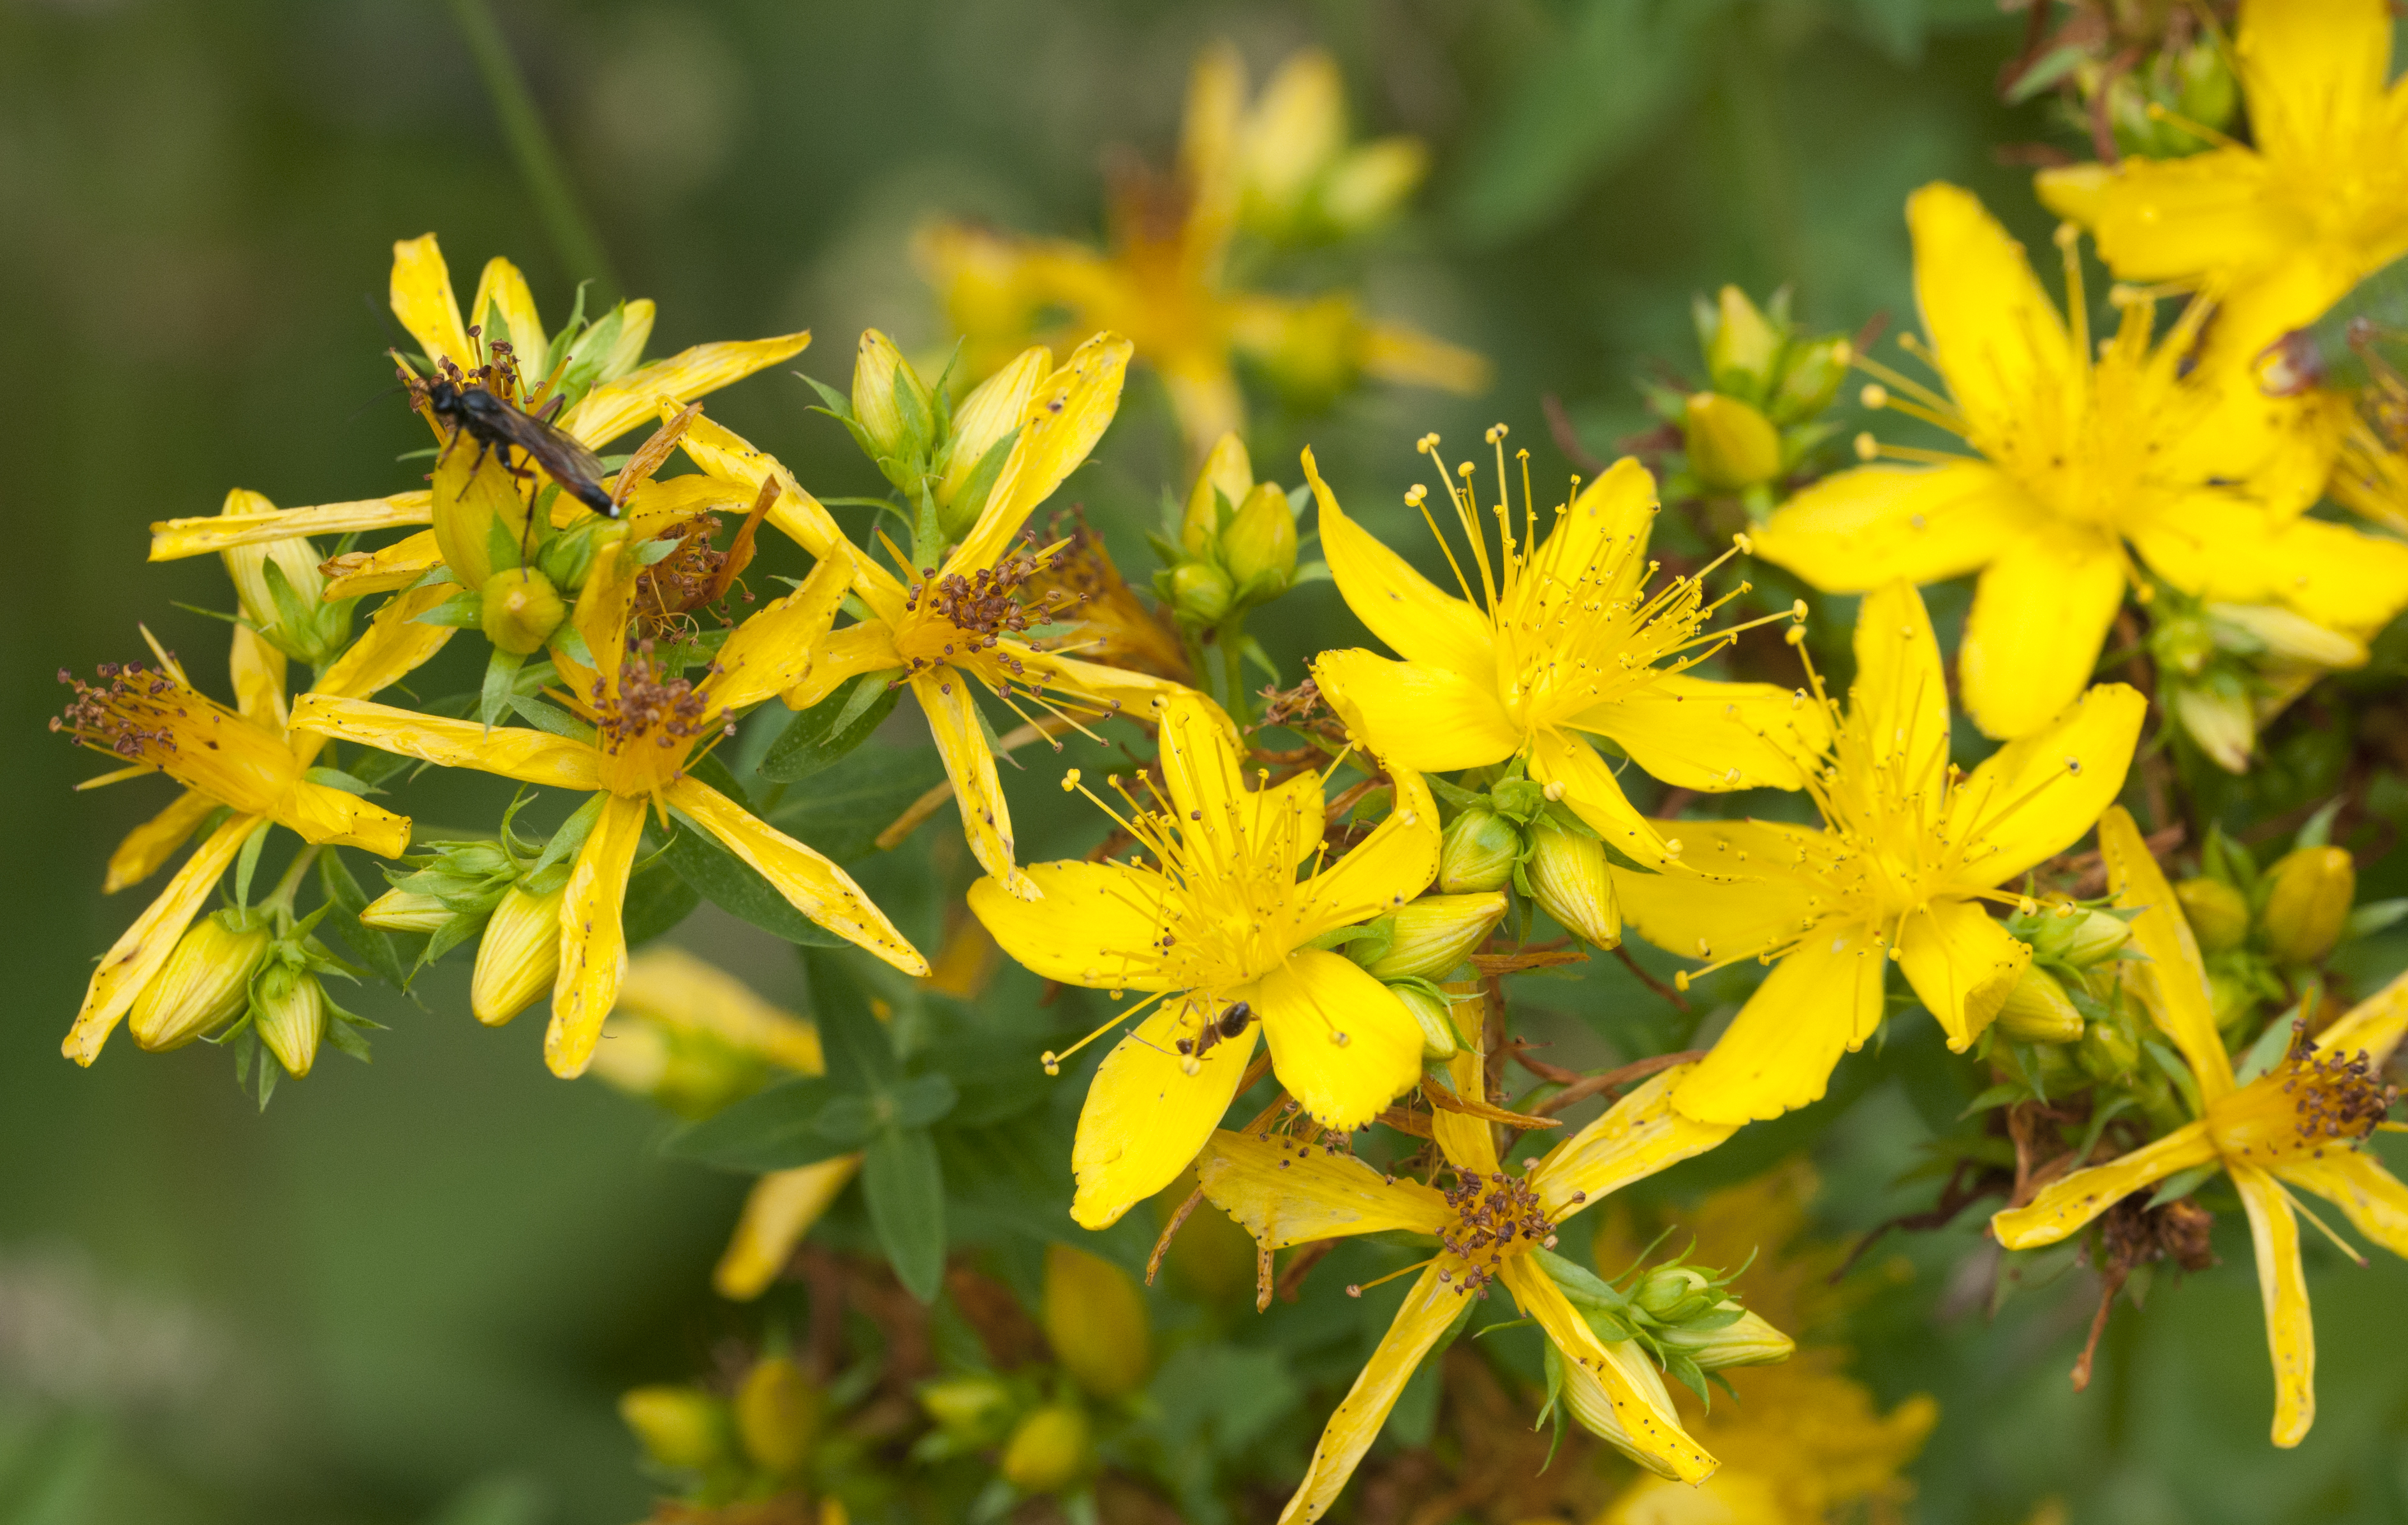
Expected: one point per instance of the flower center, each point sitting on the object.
(2305, 1106)
(147, 717)
(1496, 1216)
(648, 723)
(948, 620)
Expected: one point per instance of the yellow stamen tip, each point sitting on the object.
(1867, 447)
(1874, 395)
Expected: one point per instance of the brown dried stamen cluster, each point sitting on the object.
(650, 703)
(1492, 1212)
(2334, 1100)
(988, 605)
(499, 375)
(1115, 626)
(692, 577)
(129, 717)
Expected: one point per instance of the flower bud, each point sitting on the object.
(778, 1416)
(2220, 719)
(2080, 938)
(1199, 593)
(2106, 1053)
(568, 558)
(2264, 629)
(1740, 343)
(289, 1010)
(1260, 542)
(1673, 1293)
(1438, 1041)
(519, 955)
(1746, 1341)
(205, 983)
(2208, 93)
(1368, 184)
(1568, 877)
(2038, 1010)
(2308, 896)
(992, 413)
(974, 1410)
(1050, 1449)
(521, 610)
(684, 1428)
(1730, 443)
(1295, 129)
(890, 402)
(1813, 376)
(1096, 1322)
(2218, 913)
(1477, 852)
(1436, 932)
(1227, 474)
(405, 910)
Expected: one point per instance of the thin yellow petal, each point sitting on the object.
(1408, 357)
(2041, 614)
(1559, 756)
(502, 293)
(1096, 925)
(810, 883)
(2174, 980)
(1073, 683)
(511, 751)
(775, 648)
(1068, 412)
(337, 817)
(1649, 1430)
(592, 937)
(1900, 698)
(172, 539)
(1961, 965)
(1428, 1311)
(2354, 1181)
(1419, 714)
(386, 569)
(1398, 604)
(2283, 1286)
(1468, 1143)
(1694, 734)
(1862, 528)
(2035, 797)
(605, 413)
(1779, 1052)
(720, 452)
(1387, 868)
(1341, 1044)
(150, 845)
(2065, 1204)
(1145, 1117)
(2166, 218)
(865, 648)
(1697, 910)
(391, 648)
(2315, 72)
(142, 950)
(257, 672)
(945, 697)
(421, 298)
(2374, 1026)
(1635, 1137)
(779, 1210)
(1285, 1192)
(1998, 338)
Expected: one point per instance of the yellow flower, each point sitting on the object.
(950, 630)
(647, 724)
(1285, 1192)
(242, 760)
(627, 394)
(1164, 281)
(2199, 474)
(2275, 231)
(2299, 1124)
(1217, 932)
(1559, 637)
(1908, 851)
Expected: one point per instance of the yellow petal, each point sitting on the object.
(421, 298)
(1862, 528)
(172, 539)
(394, 646)
(1635, 1137)
(151, 843)
(2035, 797)
(1608, 524)
(2314, 71)
(2283, 1286)
(1145, 1117)
(1341, 1042)
(1717, 903)
(1100, 690)
(1211, 801)
(2041, 614)
(1900, 698)
(2337, 575)
(1098, 925)
(1961, 965)
(1418, 714)
(592, 937)
(1387, 868)
(2065, 1204)
(1428, 1309)
(1468, 1143)
(1779, 1052)
(1558, 756)
(257, 672)
(2000, 342)
(945, 697)
(335, 818)
(605, 413)
(2174, 980)
(1649, 1430)
(2354, 1181)
(774, 648)
(810, 883)
(386, 569)
(1408, 357)
(2374, 1026)
(2166, 218)
(502, 292)
(720, 452)
(1068, 412)
(779, 1210)
(1694, 734)
(142, 950)
(511, 751)
(865, 648)
(1398, 604)
(1285, 1192)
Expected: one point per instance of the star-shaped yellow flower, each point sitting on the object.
(1219, 925)
(2203, 479)
(1285, 1192)
(1907, 853)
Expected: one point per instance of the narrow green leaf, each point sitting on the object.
(905, 1189)
(734, 886)
(860, 1055)
(821, 735)
(776, 1128)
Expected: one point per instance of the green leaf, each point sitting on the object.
(658, 898)
(501, 684)
(736, 887)
(924, 1099)
(905, 1189)
(2267, 1051)
(389, 953)
(776, 1128)
(246, 863)
(860, 1055)
(821, 735)
(461, 611)
(972, 497)
(853, 801)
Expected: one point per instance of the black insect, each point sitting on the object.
(1232, 1023)
(463, 401)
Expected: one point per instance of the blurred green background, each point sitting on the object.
(411, 1291)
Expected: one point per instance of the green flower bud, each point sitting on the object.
(1199, 593)
(891, 405)
(1747, 1340)
(2181, 643)
(777, 1416)
(205, 982)
(684, 1428)
(1672, 1293)
(1050, 1449)
(990, 415)
(288, 1008)
(1477, 852)
(2107, 1053)
(2264, 629)
(974, 1410)
(568, 558)
(1260, 543)
(521, 610)
(1731, 445)
(2218, 913)
(1438, 1042)
(1566, 875)
(2308, 896)
(1740, 343)
(519, 955)
(2206, 93)
(1436, 932)
(2080, 938)
(405, 910)
(1368, 184)
(2038, 1010)
(1227, 474)
(2218, 715)
(1813, 376)
(1096, 1322)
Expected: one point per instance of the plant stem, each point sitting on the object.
(279, 900)
(1233, 667)
(565, 223)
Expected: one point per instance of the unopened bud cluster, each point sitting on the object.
(1516, 835)
(1760, 413)
(1232, 547)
